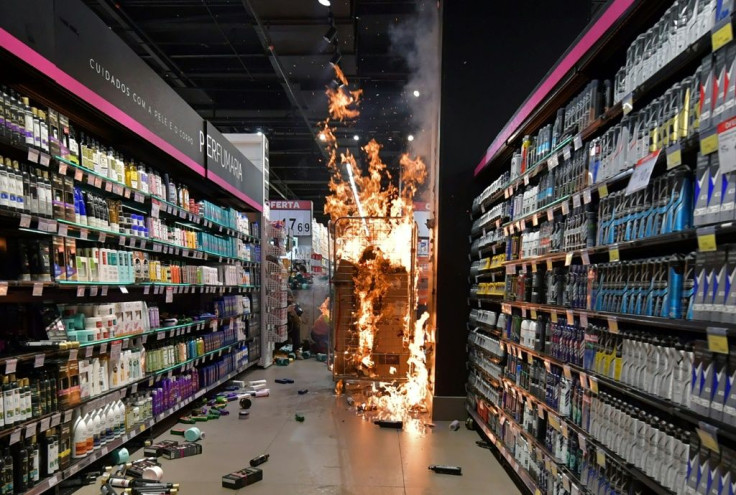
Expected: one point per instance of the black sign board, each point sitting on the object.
(31, 22)
(230, 169)
(92, 54)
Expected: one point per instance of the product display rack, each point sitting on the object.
(593, 315)
(276, 282)
(202, 354)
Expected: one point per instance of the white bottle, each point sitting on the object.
(79, 438)
(96, 426)
(119, 418)
(87, 419)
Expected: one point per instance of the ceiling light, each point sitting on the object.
(356, 138)
(411, 137)
(330, 35)
(326, 3)
(336, 58)
(322, 136)
(417, 93)
(259, 132)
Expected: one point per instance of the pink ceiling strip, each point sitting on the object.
(45, 66)
(612, 14)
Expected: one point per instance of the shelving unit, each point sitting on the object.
(139, 272)
(553, 301)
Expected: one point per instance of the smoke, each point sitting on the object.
(417, 40)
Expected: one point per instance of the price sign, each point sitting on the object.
(577, 142)
(585, 257)
(553, 161)
(674, 156)
(587, 197)
(570, 317)
(568, 258)
(642, 173)
(576, 201)
(104, 291)
(169, 294)
(102, 237)
(38, 289)
(613, 254)
(93, 291)
(565, 207)
(10, 366)
(709, 142)
(706, 239)
(584, 319)
(3, 289)
(613, 325)
(717, 340)
(721, 33)
(296, 215)
(600, 457)
(25, 221)
(39, 360)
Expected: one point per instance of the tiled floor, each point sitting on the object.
(334, 451)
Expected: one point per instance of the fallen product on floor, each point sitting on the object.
(242, 478)
(454, 470)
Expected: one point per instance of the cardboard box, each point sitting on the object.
(157, 448)
(242, 478)
(185, 449)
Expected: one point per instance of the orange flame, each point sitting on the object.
(377, 254)
(342, 101)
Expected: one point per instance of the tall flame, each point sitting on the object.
(376, 253)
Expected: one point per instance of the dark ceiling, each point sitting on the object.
(250, 65)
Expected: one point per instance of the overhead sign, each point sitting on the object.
(229, 168)
(95, 56)
(297, 216)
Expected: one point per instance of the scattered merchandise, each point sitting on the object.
(384, 423)
(240, 479)
(257, 461)
(455, 470)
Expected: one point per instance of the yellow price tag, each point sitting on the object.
(529, 358)
(553, 421)
(603, 190)
(600, 458)
(674, 159)
(709, 144)
(537, 492)
(613, 325)
(707, 439)
(534, 268)
(553, 317)
(570, 317)
(722, 36)
(613, 254)
(553, 469)
(533, 313)
(549, 265)
(707, 242)
(567, 372)
(718, 343)
(568, 258)
(593, 382)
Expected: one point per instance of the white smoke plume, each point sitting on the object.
(417, 40)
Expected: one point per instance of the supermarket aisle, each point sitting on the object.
(332, 452)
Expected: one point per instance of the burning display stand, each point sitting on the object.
(373, 314)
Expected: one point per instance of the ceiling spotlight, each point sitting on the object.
(336, 58)
(322, 136)
(259, 132)
(411, 137)
(356, 138)
(326, 3)
(417, 93)
(330, 35)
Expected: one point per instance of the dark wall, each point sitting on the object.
(493, 55)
